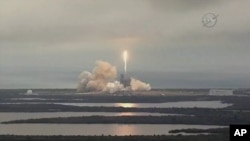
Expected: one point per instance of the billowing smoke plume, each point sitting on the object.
(114, 87)
(102, 78)
(137, 85)
(102, 73)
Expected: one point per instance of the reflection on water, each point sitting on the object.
(102, 129)
(121, 129)
(94, 129)
(28, 98)
(181, 104)
(126, 105)
(7, 116)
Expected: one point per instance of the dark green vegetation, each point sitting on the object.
(116, 138)
(211, 131)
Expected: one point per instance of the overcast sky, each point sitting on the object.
(47, 43)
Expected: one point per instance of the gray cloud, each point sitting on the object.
(184, 5)
(69, 35)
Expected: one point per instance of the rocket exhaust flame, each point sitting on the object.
(125, 57)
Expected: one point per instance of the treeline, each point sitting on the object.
(210, 130)
(222, 119)
(116, 138)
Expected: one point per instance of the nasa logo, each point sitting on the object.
(209, 20)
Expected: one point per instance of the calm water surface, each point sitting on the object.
(102, 129)
(94, 129)
(181, 104)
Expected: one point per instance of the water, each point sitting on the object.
(182, 104)
(27, 98)
(7, 116)
(95, 129)
(102, 129)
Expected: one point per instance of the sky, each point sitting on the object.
(48, 43)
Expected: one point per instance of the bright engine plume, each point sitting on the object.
(125, 58)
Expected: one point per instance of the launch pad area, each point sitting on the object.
(154, 95)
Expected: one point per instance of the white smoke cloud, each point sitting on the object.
(102, 73)
(137, 85)
(114, 87)
(84, 78)
(102, 78)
